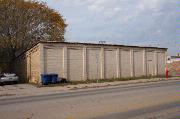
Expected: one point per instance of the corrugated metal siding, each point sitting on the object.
(110, 63)
(161, 63)
(93, 63)
(138, 63)
(54, 61)
(75, 64)
(150, 63)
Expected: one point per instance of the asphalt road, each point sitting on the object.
(158, 100)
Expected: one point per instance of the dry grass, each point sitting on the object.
(99, 81)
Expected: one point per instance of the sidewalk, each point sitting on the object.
(21, 90)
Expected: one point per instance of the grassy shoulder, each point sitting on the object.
(98, 81)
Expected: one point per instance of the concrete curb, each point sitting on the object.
(71, 88)
(118, 83)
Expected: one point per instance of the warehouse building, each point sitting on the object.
(87, 61)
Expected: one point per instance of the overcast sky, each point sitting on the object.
(127, 22)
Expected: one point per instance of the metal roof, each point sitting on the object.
(77, 43)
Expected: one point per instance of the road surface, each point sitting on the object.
(159, 100)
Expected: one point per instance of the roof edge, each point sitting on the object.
(86, 44)
(101, 44)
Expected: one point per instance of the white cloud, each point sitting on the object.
(106, 7)
(74, 2)
(132, 21)
(150, 4)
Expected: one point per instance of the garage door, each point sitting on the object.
(138, 63)
(161, 63)
(75, 64)
(150, 63)
(110, 64)
(93, 64)
(125, 63)
(54, 61)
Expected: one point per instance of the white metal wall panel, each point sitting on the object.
(93, 64)
(75, 64)
(54, 61)
(125, 67)
(161, 63)
(150, 63)
(138, 63)
(110, 64)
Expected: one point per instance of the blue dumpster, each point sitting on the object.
(46, 79)
(54, 78)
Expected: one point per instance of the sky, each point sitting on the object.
(126, 22)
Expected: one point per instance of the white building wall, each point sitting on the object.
(75, 64)
(94, 63)
(161, 63)
(54, 61)
(138, 63)
(110, 67)
(35, 66)
(150, 63)
(27, 66)
(125, 63)
(82, 62)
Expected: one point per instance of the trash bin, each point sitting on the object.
(54, 78)
(46, 79)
